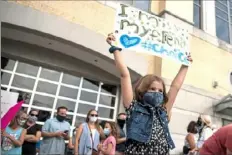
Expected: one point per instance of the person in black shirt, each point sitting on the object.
(121, 140)
(33, 134)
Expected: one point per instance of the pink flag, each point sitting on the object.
(5, 120)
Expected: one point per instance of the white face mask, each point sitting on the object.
(92, 119)
(22, 122)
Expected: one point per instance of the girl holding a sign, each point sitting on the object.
(148, 110)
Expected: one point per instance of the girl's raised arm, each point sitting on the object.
(126, 86)
(176, 85)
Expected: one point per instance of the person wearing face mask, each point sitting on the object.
(33, 134)
(220, 143)
(108, 147)
(148, 108)
(13, 136)
(121, 139)
(54, 132)
(205, 130)
(88, 135)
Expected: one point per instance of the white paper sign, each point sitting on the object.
(140, 31)
(8, 100)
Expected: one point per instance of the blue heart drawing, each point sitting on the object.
(127, 41)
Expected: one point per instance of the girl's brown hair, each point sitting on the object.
(143, 85)
(114, 128)
(96, 123)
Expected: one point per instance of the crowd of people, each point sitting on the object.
(148, 111)
(22, 135)
(198, 133)
(204, 139)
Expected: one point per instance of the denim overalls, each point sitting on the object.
(140, 123)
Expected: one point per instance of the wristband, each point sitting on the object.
(114, 48)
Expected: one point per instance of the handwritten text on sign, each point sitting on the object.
(143, 32)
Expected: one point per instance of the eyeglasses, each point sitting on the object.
(33, 115)
(94, 115)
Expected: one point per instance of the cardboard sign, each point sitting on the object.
(9, 107)
(8, 100)
(140, 31)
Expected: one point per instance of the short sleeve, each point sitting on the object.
(228, 143)
(46, 126)
(112, 140)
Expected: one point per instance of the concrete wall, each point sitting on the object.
(53, 60)
(183, 9)
(210, 64)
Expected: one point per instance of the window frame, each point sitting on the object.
(229, 16)
(230, 78)
(112, 4)
(225, 120)
(200, 6)
(149, 5)
(13, 72)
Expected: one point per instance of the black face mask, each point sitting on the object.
(121, 122)
(60, 118)
(199, 122)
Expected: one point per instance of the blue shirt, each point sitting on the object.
(8, 147)
(53, 145)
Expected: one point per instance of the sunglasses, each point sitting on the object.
(93, 115)
(33, 115)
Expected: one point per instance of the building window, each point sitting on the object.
(140, 4)
(223, 11)
(45, 90)
(226, 122)
(231, 78)
(197, 13)
(143, 5)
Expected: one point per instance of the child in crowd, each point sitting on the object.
(109, 145)
(13, 135)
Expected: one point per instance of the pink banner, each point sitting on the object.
(10, 114)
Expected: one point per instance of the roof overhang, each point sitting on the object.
(56, 33)
(224, 105)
